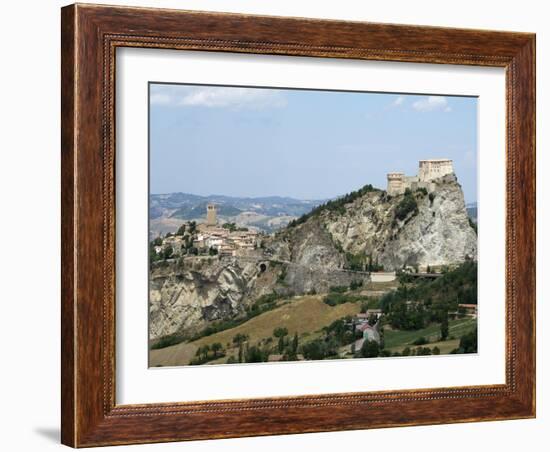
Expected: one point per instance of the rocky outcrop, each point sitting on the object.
(183, 299)
(436, 233)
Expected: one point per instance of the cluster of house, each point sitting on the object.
(225, 241)
(370, 332)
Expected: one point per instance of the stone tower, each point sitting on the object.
(211, 215)
(395, 183)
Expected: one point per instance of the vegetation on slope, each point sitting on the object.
(407, 205)
(335, 205)
(415, 305)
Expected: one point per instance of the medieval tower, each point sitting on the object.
(211, 215)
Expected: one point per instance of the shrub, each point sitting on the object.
(168, 251)
(407, 205)
(338, 289)
(370, 349)
(423, 351)
(420, 341)
(468, 342)
(422, 190)
(167, 341)
(181, 230)
(355, 285)
(334, 298)
(336, 205)
(355, 262)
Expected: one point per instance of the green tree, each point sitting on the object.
(281, 345)
(241, 352)
(445, 327)
(240, 338)
(355, 285)
(423, 351)
(314, 350)
(468, 342)
(181, 230)
(407, 205)
(370, 349)
(255, 355)
(157, 241)
(216, 347)
(213, 251)
(280, 332)
(168, 252)
(373, 318)
(295, 343)
(232, 227)
(153, 255)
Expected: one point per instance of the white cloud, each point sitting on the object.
(160, 99)
(398, 101)
(217, 97)
(432, 103)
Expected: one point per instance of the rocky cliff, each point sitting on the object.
(435, 232)
(333, 245)
(185, 295)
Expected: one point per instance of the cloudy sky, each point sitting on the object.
(299, 143)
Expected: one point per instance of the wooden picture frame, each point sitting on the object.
(90, 36)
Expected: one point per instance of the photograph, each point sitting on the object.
(301, 225)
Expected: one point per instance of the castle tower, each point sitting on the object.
(211, 215)
(434, 168)
(396, 183)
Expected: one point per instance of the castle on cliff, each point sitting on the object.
(428, 170)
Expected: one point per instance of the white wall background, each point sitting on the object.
(29, 226)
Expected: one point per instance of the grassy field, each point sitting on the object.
(396, 340)
(302, 315)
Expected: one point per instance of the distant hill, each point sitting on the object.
(471, 208)
(190, 212)
(166, 211)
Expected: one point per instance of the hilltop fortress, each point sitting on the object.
(428, 170)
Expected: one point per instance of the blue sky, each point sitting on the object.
(300, 143)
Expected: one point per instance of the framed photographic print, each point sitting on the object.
(281, 225)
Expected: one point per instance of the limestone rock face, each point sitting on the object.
(438, 233)
(184, 300)
(310, 259)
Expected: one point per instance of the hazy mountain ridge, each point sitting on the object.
(167, 211)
